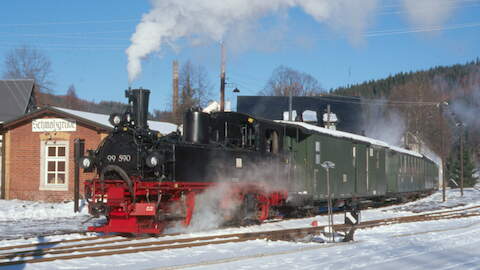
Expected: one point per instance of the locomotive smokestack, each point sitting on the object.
(139, 100)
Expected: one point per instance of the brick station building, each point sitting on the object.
(38, 151)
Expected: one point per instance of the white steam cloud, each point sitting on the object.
(213, 20)
(384, 124)
(427, 13)
(200, 21)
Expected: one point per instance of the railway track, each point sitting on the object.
(112, 245)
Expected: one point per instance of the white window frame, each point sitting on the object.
(44, 185)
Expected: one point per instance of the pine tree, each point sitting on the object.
(454, 169)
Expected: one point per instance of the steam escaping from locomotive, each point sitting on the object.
(383, 124)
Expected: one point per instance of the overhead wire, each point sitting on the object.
(419, 30)
(380, 102)
(68, 23)
(377, 33)
(80, 35)
(439, 2)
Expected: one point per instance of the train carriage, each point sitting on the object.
(365, 168)
(270, 168)
(359, 163)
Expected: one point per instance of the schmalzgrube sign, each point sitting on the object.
(53, 124)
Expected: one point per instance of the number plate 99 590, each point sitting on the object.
(119, 158)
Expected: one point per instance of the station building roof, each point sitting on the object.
(94, 120)
(17, 98)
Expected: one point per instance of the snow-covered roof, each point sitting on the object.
(162, 127)
(343, 134)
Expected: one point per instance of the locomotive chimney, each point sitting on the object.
(139, 100)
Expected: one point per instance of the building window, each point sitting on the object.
(317, 159)
(238, 163)
(354, 154)
(317, 153)
(54, 159)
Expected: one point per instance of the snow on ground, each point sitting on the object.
(27, 218)
(443, 244)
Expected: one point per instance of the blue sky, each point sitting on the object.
(86, 42)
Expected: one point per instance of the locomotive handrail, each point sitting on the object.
(121, 173)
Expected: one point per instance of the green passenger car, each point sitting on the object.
(364, 168)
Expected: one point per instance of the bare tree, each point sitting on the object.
(194, 87)
(71, 99)
(424, 120)
(285, 80)
(29, 63)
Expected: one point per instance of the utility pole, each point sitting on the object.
(461, 159)
(222, 79)
(175, 89)
(328, 116)
(290, 104)
(442, 135)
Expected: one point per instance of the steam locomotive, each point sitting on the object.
(257, 169)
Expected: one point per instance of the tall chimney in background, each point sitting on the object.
(222, 80)
(175, 89)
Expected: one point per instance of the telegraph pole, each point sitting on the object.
(461, 159)
(290, 104)
(222, 79)
(442, 135)
(328, 116)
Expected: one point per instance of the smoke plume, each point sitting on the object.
(202, 21)
(383, 124)
(466, 105)
(199, 21)
(428, 13)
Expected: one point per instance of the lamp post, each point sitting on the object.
(290, 104)
(327, 165)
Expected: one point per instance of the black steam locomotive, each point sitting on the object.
(257, 169)
(143, 175)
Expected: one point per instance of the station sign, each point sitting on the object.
(54, 125)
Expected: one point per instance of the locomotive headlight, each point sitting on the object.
(86, 162)
(153, 160)
(115, 119)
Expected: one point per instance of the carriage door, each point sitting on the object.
(319, 174)
(360, 152)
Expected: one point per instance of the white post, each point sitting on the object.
(327, 165)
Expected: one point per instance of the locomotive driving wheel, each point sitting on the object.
(255, 209)
(263, 208)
